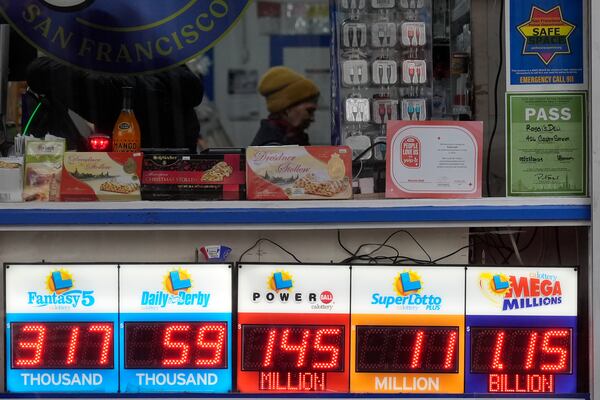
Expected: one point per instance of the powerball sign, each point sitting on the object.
(175, 328)
(130, 36)
(407, 329)
(293, 328)
(60, 328)
(521, 330)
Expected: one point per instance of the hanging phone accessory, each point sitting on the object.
(354, 34)
(359, 143)
(414, 110)
(380, 149)
(357, 109)
(355, 72)
(414, 74)
(384, 34)
(412, 4)
(384, 72)
(414, 37)
(383, 3)
(385, 110)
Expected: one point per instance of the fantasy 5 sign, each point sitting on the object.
(123, 36)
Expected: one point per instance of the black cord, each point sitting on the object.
(501, 61)
(371, 147)
(269, 241)
(557, 246)
(451, 254)
(339, 238)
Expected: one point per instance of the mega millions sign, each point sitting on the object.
(117, 36)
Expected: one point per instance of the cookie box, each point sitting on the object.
(101, 177)
(194, 177)
(299, 173)
(11, 179)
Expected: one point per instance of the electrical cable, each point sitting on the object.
(365, 151)
(273, 243)
(495, 126)
(516, 248)
(31, 117)
(556, 238)
(451, 254)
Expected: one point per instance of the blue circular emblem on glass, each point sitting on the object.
(118, 36)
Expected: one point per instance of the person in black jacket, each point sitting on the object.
(163, 103)
(292, 101)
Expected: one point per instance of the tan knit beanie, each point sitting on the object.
(283, 88)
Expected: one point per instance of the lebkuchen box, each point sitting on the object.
(100, 176)
(299, 173)
(210, 176)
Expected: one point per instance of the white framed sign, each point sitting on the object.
(283, 288)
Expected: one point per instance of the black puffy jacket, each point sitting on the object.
(163, 102)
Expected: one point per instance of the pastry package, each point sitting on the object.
(101, 176)
(214, 176)
(43, 168)
(299, 173)
(11, 179)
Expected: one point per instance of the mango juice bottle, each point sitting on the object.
(126, 135)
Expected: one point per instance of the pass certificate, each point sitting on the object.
(440, 159)
(546, 144)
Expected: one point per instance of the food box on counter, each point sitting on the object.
(11, 179)
(194, 177)
(43, 168)
(101, 177)
(299, 173)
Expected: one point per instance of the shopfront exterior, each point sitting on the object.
(490, 295)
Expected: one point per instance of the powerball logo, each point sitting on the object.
(62, 292)
(408, 286)
(512, 292)
(280, 289)
(177, 291)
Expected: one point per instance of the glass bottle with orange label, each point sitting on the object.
(126, 133)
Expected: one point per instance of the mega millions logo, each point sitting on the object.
(130, 36)
(546, 34)
(177, 291)
(408, 287)
(511, 292)
(61, 292)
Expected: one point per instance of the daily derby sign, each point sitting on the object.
(131, 36)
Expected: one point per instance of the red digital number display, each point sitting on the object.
(520, 350)
(406, 349)
(62, 345)
(176, 345)
(292, 348)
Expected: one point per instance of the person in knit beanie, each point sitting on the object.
(291, 100)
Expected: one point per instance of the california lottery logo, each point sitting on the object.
(59, 281)
(494, 286)
(511, 292)
(408, 288)
(62, 292)
(407, 282)
(176, 281)
(280, 280)
(546, 34)
(177, 292)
